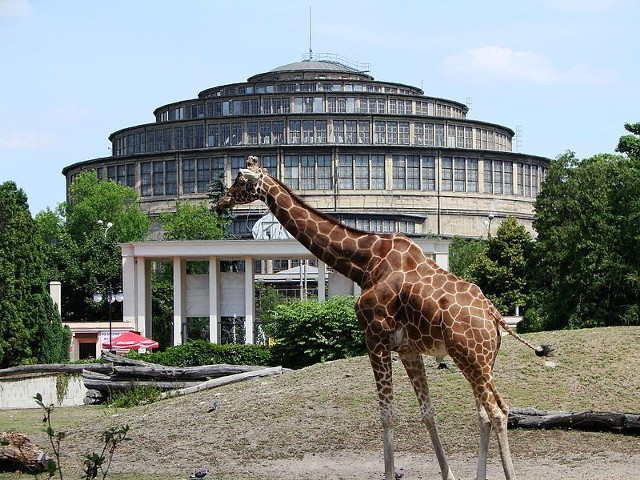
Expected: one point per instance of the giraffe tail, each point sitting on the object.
(540, 350)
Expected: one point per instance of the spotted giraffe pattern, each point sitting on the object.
(408, 304)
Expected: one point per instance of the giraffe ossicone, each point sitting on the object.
(407, 304)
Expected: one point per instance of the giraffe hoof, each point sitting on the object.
(442, 365)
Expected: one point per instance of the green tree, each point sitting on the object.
(307, 332)
(463, 253)
(84, 253)
(586, 260)
(501, 270)
(30, 327)
(630, 144)
(192, 222)
(189, 222)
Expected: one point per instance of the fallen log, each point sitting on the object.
(45, 369)
(127, 367)
(627, 423)
(217, 382)
(106, 383)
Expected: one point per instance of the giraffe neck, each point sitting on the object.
(342, 248)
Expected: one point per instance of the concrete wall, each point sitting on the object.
(18, 392)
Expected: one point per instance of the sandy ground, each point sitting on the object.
(348, 466)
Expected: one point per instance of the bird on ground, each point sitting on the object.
(200, 473)
(213, 405)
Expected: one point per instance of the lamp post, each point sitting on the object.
(110, 297)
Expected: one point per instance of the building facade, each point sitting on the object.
(379, 156)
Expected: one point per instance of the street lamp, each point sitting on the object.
(111, 297)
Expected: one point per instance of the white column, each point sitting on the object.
(129, 287)
(178, 299)
(321, 281)
(249, 299)
(55, 292)
(143, 290)
(214, 302)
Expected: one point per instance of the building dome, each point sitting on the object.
(378, 155)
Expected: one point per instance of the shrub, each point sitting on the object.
(308, 332)
(202, 352)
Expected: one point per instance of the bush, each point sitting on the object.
(201, 352)
(308, 332)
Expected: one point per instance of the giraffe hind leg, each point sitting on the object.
(414, 366)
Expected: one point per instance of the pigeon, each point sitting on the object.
(399, 474)
(199, 474)
(213, 405)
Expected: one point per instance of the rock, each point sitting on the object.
(17, 452)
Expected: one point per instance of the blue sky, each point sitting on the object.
(74, 71)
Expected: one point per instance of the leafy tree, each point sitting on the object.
(501, 270)
(630, 144)
(30, 327)
(307, 332)
(463, 253)
(586, 259)
(83, 253)
(192, 222)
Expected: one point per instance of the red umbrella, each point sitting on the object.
(129, 341)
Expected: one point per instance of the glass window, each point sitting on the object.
(351, 131)
(324, 172)
(428, 173)
(498, 178)
(213, 136)
(413, 172)
(488, 176)
(392, 133)
(345, 172)
(145, 179)
(439, 135)
(188, 137)
(362, 172)
(294, 131)
(252, 133)
(265, 133)
(188, 176)
(307, 131)
(508, 178)
(472, 174)
(269, 163)
(520, 184)
(429, 134)
(338, 131)
(236, 134)
(377, 172)
(418, 134)
(380, 132)
(459, 174)
(291, 171)
(321, 131)
(403, 133)
(364, 131)
(318, 105)
(332, 105)
(447, 173)
(278, 132)
(266, 106)
(178, 137)
(307, 172)
(399, 172)
(204, 174)
(199, 133)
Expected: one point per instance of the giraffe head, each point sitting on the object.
(245, 187)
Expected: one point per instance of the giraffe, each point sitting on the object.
(408, 304)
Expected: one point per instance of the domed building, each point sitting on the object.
(379, 156)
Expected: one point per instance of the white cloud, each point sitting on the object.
(28, 141)
(14, 8)
(491, 64)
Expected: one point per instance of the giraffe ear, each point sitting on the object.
(249, 175)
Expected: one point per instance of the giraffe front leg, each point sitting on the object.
(382, 371)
